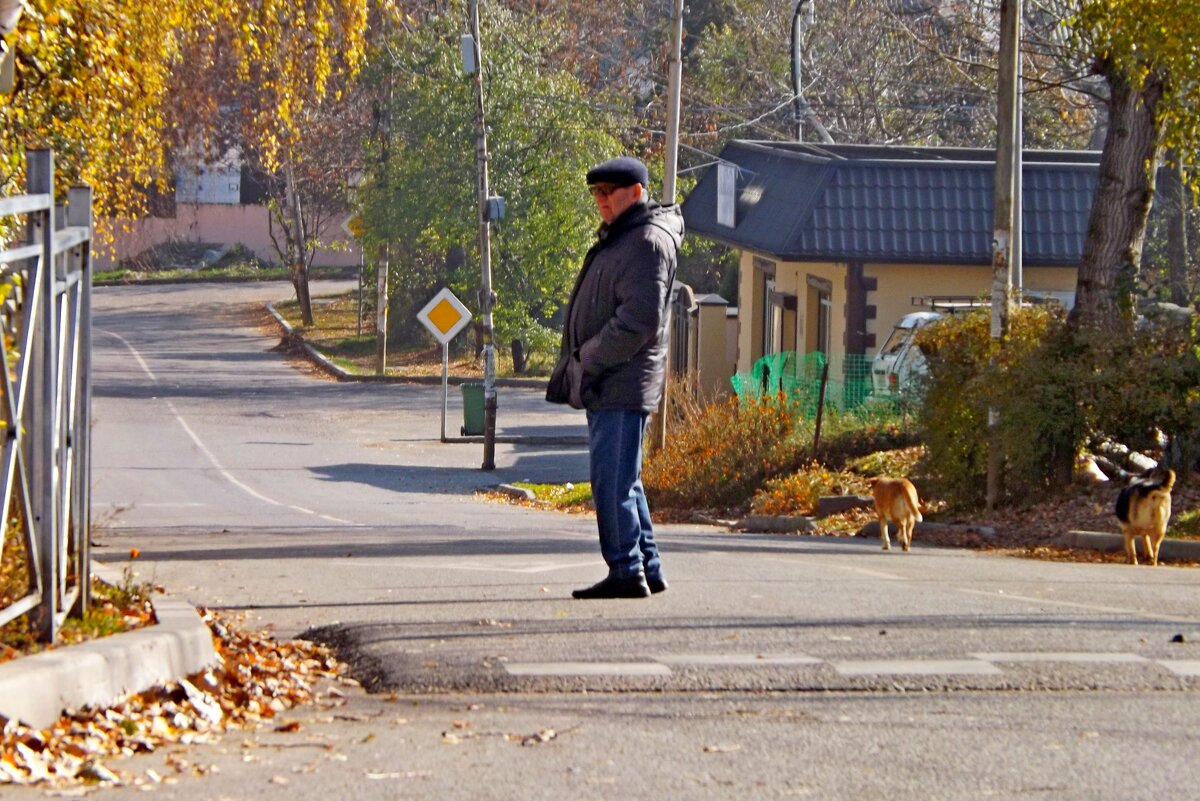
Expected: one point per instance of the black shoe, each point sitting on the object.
(616, 587)
(657, 584)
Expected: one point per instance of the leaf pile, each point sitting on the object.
(255, 679)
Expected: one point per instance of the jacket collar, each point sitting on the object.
(627, 219)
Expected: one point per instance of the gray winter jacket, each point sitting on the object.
(614, 346)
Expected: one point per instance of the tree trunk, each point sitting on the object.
(1176, 210)
(300, 282)
(299, 265)
(1117, 225)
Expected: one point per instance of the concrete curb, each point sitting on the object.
(323, 362)
(37, 689)
(1103, 541)
(775, 524)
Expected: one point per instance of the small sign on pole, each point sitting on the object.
(444, 315)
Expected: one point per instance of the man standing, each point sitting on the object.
(613, 364)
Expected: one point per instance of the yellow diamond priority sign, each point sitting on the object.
(444, 315)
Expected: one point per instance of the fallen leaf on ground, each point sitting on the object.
(257, 678)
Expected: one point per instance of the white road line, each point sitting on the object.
(737, 660)
(1182, 667)
(917, 667)
(216, 464)
(136, 356)
(862, 571)
(209, 454)
(483, 567)
(1082, 657)
(995, 595)
(588, 669)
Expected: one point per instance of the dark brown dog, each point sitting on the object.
(1143, 508)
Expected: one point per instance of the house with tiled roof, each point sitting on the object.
(837, 242)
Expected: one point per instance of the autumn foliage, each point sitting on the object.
(718, 458)
(255, 680)
(798, 493)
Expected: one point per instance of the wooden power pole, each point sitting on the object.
(1002, 240)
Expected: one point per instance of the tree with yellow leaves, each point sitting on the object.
(103, 83)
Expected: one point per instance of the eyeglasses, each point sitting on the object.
(603, 190)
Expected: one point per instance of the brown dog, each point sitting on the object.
(896, 501)
(1143, 508)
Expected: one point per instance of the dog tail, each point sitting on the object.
(913, 500)
(1122, 509)
(1168, 480)
(1143, 485)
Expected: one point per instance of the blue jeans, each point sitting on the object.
(626, 535)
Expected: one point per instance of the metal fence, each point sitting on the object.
(45, 314)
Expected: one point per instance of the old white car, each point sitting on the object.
(899, 364)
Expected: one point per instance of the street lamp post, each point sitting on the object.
(802, 19)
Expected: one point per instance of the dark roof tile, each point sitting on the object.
(805, 202)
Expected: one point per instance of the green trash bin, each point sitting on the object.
(472, 394)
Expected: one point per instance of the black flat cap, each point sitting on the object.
(621, 171)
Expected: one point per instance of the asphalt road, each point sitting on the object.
(773, 667)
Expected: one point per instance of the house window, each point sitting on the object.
(772, 318)
(824, 309)
(819, 305)
(779, 320)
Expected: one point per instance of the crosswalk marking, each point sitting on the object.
(979, 664)
(917, 667)
(1182, 667)
(1058, 656)
(738, 660)
(588, 669)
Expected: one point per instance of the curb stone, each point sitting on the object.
(775, 523)
(1104, 541)
(322, 361)
(37, 689)
(520, 493)
(987, 532)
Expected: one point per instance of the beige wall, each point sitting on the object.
(710, 349)
(216, 223)
(792, 279)
(897, 285)
(835, 274)
(750, 310)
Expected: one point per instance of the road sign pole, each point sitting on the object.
(444, 316)
(445, 384)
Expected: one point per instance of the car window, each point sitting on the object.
(895, 342)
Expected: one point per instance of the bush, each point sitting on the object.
(1034, 384)
(1054, 388)
(861, 432)
(896, 462)
(798, 493)
(718, 455)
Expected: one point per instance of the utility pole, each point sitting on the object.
(382, 261)
(658, 429)
(1017, 255)
(1002, 239)
(487, 298)
(381, 308)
